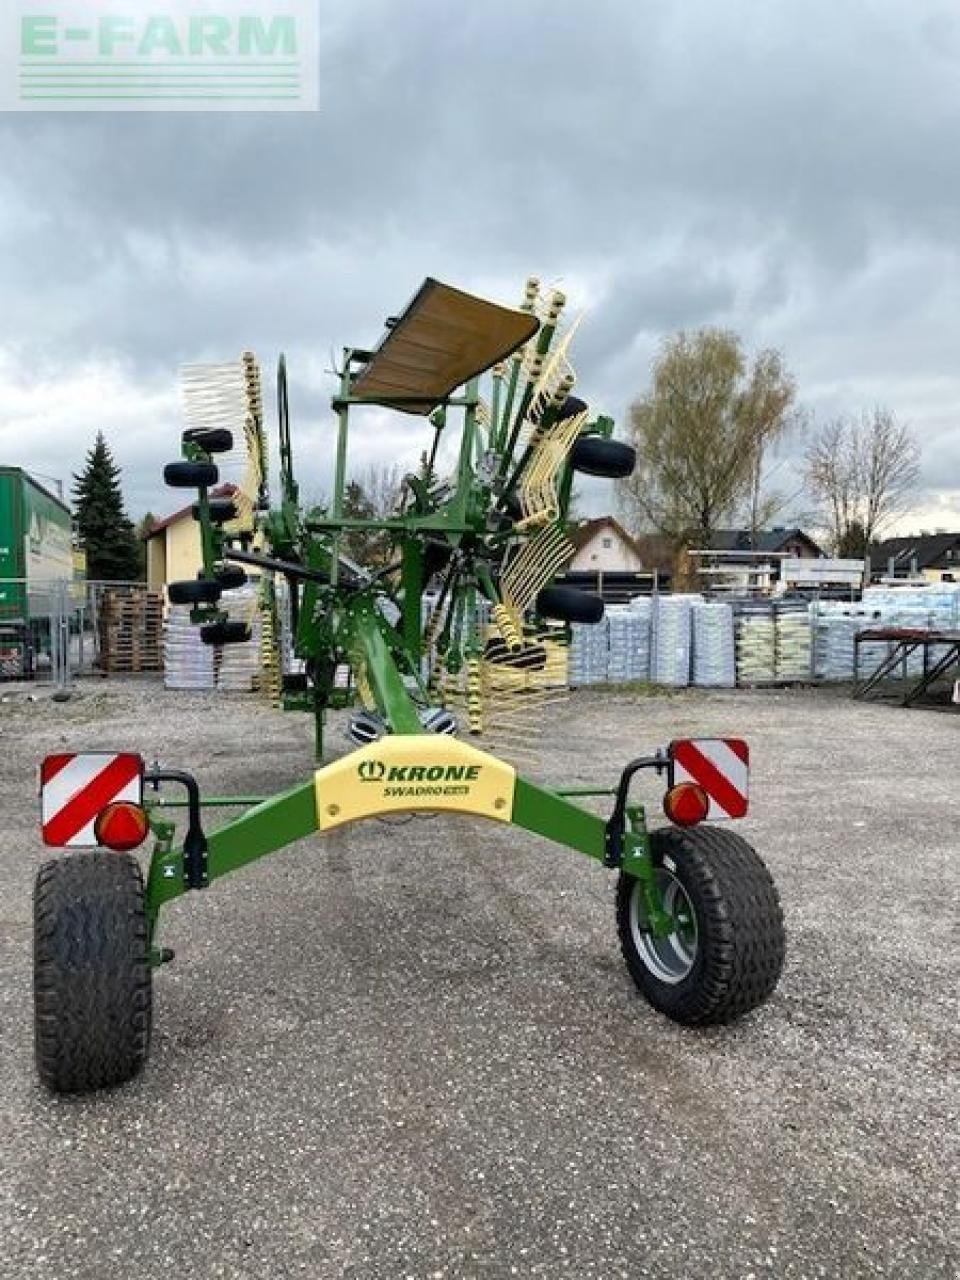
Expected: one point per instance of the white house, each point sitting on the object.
(603, 546)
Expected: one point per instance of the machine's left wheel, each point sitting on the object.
(91, 979)
(725, 952)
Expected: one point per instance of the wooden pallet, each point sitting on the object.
(130, 631)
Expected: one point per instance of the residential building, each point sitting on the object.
(934, 556)
(174, 553)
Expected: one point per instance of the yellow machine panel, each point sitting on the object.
(408, 773)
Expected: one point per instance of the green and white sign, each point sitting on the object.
(172, 55)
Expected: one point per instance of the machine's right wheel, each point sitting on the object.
(91, 979)
(725, 952)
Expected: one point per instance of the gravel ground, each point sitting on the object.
(415, 1051)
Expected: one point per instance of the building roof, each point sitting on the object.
(929, 550)
(770, 540)
(32, 480)
(584, 532)
(221, 491)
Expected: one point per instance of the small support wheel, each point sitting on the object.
(221, 510)
(190, 475)
(595, 456)
(91, 979)
(209, 439)
(225, 633)
(569, 604)
(725, 953)
(229, 576)
(194, 591)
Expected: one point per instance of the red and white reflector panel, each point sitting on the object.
(721, 766)
(76, 788)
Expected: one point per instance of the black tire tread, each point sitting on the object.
(597, 456)
(210, 439)
(569, 604)
(92, 978)
(194, 591)
(218, 633)
(741, 942)
(190, 475)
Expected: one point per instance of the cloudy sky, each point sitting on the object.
(787, 168)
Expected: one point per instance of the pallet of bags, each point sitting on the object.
(794, 645)
(756, 645)
(188, 663)
(670, 663)
(589, 654)
(629, 644)
(835, 627)
(238, 666)
(713, 656)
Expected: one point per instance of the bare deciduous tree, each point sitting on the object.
(861, 475)
(374, 496)
(701, 434)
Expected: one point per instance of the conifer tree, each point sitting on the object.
(105, 531)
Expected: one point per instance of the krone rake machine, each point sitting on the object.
(449, 639)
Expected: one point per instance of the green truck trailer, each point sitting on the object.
(35, 550)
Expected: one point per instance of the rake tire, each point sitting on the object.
(92, 980)
(569, 604)
(190, 475)
(230, 576)
(740, 945)
(595, 456)
(194, 591)
(217, 633)
(210, 439)
(221, 510)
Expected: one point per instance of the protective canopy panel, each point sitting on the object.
(444, 337)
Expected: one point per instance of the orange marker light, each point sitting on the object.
(686, 804)
(121, 826)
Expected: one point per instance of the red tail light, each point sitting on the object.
(121, 826)
(686, 804)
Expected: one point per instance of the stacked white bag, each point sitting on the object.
(670, 663)
(187, 661)
(713, 662)
(835, 629)
(793, 643)
(756, 646)
(239, 665)
(589, 653)
(629, 643)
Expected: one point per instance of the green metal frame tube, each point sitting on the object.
(362, 630)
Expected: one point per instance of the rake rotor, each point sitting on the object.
(456, 616)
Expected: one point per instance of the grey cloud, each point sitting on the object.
(783, 169)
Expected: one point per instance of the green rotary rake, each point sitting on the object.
(449, 644)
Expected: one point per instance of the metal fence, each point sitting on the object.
(53, 630)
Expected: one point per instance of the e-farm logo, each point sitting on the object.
(172, 55)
